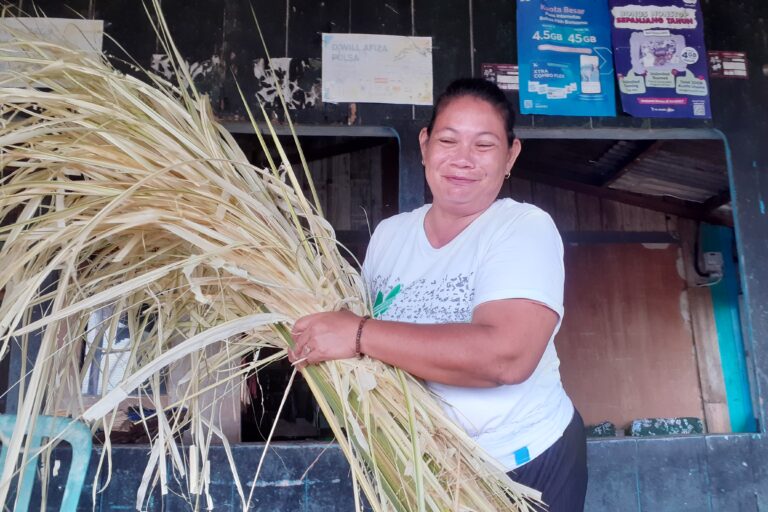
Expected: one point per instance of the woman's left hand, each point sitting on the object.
(324, 337)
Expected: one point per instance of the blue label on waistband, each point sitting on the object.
(522, 455)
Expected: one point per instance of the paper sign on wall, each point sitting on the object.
(564, 55)
(78, 34)
(661, 62)
(506, 76)
(369, 68)
(728, 65)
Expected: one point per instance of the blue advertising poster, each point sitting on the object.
(661, 62)
(564, 55)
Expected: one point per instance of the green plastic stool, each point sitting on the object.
(71, 431)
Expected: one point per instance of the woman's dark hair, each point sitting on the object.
(482, 90)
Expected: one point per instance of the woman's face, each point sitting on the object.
(467, 156)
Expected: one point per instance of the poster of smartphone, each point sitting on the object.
(590, 74)
(564, 58)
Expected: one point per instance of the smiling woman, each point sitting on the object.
(474, 298)
(467, 150)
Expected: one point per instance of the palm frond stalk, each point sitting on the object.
(142, 205)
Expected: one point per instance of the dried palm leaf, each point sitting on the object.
(139, 203)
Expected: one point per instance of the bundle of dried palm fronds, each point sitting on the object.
(142, 205)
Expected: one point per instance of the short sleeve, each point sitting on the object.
(368, 263)
(524, 261)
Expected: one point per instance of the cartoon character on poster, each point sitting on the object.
(661, 63)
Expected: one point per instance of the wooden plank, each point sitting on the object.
(707, 350)
(390, 178)
(565, 209)
(365, 191)
(325, 178)
(518, 189)
(376, 190)
(582, 212)
(653, 221)
(717, 418)
(681, 208)
(589, 213)
(338, 202)
(350, 145)
(648, 238)
(544, 198)
(624, 346)
(610, 215)
(704, 335)
(625, 217)
(317, 170)
(672, 223)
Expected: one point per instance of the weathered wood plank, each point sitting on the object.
(704, 335)
(544, 198)
(518, 189)
(565, 209)
(365, 188)
(589, 213)
(338, 199)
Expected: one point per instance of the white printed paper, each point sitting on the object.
(83, 35)
(368, 68)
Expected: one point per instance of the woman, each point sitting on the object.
(469, 297)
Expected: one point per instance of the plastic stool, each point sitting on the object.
(71, 431)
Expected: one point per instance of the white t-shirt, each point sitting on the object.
(512, 250)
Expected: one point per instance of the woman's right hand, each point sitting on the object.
(324, 337)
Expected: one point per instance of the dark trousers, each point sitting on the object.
(560, 473)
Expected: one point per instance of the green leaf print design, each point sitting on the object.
(381, 304)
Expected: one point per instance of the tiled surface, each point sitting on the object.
(613, 477)
(733, 485)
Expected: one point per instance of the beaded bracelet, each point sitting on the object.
(359, 334)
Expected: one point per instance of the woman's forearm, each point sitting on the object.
(457, 354)
(502, 345)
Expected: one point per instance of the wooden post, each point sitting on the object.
(705, 337)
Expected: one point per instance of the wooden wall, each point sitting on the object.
(625, 345)
(576, 212)
(638, 338)
(349, 188)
